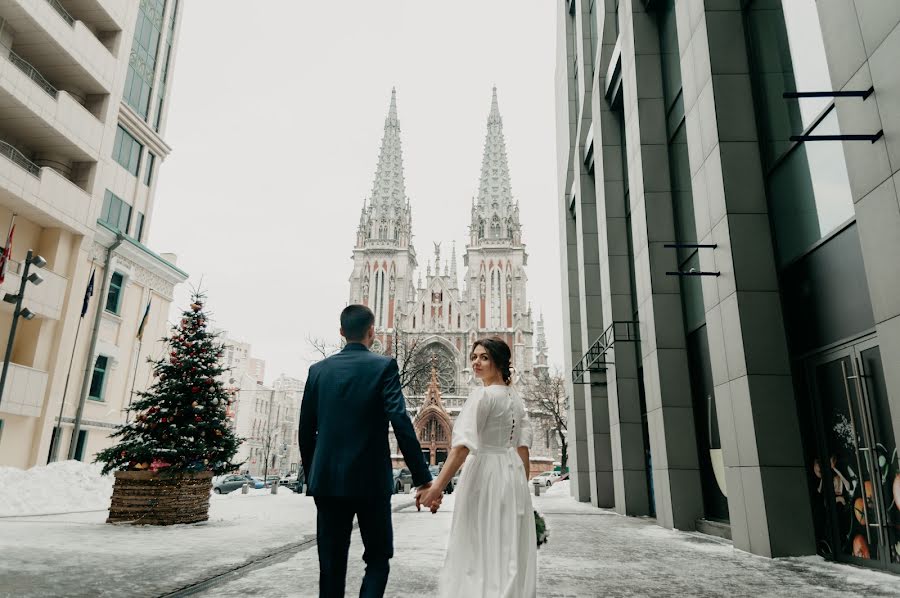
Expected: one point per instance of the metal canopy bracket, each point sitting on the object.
(692, 272)
(594, 361)
(864, 95)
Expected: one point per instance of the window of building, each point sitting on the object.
(98, 379)
(164, 77)
(148, 170)
(79, 446)
(808, 187)
(142, 61)
(115, 212)
(127, 150)
(114, 297)
(139, 227)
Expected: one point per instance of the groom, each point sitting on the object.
(348, 402)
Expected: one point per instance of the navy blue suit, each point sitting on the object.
(349, 400)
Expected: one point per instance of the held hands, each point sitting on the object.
(429, 495)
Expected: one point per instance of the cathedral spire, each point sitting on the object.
(540, 347)
(454, 282)
(388, 220)
(495, 216)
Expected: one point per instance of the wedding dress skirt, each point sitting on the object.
(492, 550)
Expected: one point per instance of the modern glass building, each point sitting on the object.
(728, 197)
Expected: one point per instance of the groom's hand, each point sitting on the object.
(420, 492)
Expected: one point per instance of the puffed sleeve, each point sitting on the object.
(524, 432)
(465, 428)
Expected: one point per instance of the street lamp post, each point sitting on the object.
(35, 279)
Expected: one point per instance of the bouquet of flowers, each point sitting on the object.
(540, 526)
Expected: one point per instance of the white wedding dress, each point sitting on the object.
(492, 551)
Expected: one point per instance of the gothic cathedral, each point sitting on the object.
(438, 320)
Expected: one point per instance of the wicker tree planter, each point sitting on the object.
(149, 498)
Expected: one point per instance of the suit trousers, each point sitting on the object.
(333, 527)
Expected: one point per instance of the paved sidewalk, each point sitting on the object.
(591, 553)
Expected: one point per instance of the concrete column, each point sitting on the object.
(626, 428)
(676, 472)
(768, 497)
(566, 126)
(600, 469)
(862, 43)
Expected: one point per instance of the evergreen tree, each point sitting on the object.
(180, 422)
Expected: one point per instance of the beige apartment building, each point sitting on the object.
(84, 90)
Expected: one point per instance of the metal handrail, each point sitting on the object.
(595, 358)
(19, 159)
(33, 74)
(60, 9)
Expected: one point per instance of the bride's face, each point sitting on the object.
(482, 365)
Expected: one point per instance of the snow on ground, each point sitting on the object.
(75, 554)
(592, 552)
(60, 487)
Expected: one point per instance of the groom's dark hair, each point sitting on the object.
(355, 322)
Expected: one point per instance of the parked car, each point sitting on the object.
(258, 481)
(546, 478)
(398, 485)
(404, 477)
(294, 482)
(229, 483)
(435, 471)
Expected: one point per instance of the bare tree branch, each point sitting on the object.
(322, 347)
(546, 395)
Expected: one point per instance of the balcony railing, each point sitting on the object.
(19, 159)
(59, 8)
(621, 331)
(33, 74)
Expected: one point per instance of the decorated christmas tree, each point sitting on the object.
(180, 423)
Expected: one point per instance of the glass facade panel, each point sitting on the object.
(116, 213)
(808, 186)
(142, 61)
(671, 65)
(788, 54)
(164, 77)
(127, 150)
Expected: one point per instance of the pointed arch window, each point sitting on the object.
(495, 227)
(495, 298)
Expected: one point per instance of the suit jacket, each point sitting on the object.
(348, 402)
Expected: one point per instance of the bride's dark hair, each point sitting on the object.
(500, 355)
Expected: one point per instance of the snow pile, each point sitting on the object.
(60, 487)
(558, 489)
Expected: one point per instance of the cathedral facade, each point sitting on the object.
(432, 321)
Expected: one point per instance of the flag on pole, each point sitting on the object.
(140, 332)
(7, 251)
(87, 293)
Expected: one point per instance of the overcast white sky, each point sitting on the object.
(276, 118)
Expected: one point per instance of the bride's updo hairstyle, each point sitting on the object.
(500, 355)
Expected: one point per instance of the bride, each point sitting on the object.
(492, 550)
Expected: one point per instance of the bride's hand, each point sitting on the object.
(431, 498)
